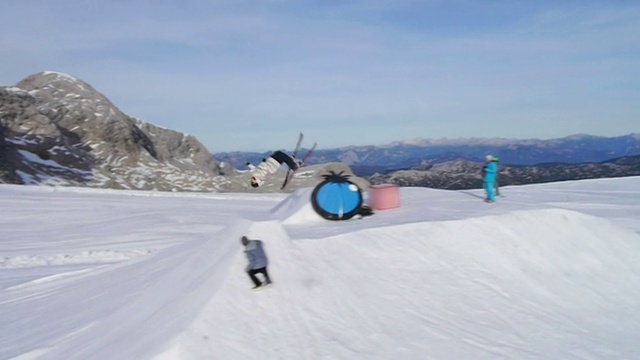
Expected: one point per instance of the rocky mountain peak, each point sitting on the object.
(58, 130)
(78, 137)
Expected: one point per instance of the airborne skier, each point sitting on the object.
(269, 166)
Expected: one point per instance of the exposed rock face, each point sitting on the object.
(462, 174)
(59, 130)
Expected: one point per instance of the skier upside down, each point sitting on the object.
(269, 166)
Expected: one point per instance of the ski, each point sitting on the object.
(297, 148)
(308, 154)
(290, 173)
(293, 156)
(287, 178)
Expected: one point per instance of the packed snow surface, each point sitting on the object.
(550, 271)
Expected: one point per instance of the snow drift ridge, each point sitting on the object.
(508, 274)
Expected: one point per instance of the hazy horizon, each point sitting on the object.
(414, 140)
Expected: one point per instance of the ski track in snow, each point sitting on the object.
(548, 272)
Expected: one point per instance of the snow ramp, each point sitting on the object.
(531, 284)
(296, 209)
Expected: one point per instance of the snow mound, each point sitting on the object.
(296, 209)
(496, 279)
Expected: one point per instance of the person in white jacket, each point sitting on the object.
(269, 166)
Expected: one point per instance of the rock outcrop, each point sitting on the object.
(58, 130)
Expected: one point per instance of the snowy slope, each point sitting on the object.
(548, 272)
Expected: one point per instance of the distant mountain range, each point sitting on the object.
(368, 160)
(463, 174)
(57, 130)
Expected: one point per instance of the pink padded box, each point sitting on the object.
(383, 197)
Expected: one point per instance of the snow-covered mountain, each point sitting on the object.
(57, 130)
(367, 160)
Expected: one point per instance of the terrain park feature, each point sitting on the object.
(336, 198)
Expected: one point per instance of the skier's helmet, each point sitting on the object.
(255, 182)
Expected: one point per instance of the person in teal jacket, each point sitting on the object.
(496, 184)
(490, 171)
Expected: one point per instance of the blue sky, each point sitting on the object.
(248, 75)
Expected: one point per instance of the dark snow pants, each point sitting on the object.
(281, 157)
(254, 278)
